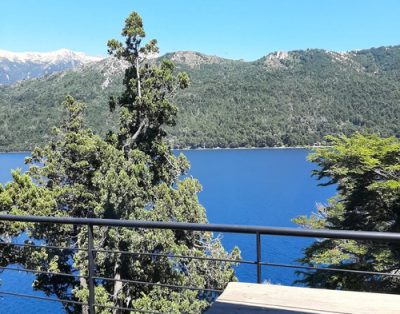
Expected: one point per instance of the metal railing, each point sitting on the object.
(258, 231)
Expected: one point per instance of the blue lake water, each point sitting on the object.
(265, 187)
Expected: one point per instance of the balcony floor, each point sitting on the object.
(240, 298)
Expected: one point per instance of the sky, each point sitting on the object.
(235, 29)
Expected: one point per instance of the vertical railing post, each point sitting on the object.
(91, 269)
(258, 243)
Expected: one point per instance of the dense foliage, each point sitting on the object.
(366, 170)
(292, 99)
(133, 174)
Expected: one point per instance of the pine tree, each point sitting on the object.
(133, 174)
(145, 105)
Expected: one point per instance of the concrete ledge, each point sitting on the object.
(240, 298)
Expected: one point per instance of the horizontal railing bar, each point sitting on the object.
(158, 284)
(27, 270)
(333, 234)
(42, 246)
(366, 272)
(125, 309)
(189, 257)
(41, 298)
(177, 256)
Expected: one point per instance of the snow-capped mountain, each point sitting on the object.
(16, 66)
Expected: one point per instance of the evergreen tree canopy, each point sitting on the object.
(133, 174)
(145, 105)
(366, 170)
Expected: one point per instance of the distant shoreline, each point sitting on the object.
(15, 152)
(251, 148)
(209, 148)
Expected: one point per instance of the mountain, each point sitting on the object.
(282, 99)
(17, 66)
(194, 59)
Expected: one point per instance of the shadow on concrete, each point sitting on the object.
(225, 308)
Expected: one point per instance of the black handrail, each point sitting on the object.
(256, 230)
(298, 232)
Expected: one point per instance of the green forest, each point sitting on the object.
(282, 99)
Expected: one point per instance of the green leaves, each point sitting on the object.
(114, 46)
(367, 173)
(133, 26)
(133, 174)
(184, 80)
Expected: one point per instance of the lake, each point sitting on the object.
(265, 187)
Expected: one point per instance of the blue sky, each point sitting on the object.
(237, 29)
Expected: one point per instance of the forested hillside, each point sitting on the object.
(282, 99)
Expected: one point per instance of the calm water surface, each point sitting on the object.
(249, 187)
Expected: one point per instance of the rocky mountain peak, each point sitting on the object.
(61, 55)
(193, 58)
(17, 66)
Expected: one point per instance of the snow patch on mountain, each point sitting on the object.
(17, 66)
(61, 55)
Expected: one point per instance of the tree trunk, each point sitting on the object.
(139, 87)
(117, 286)
(84, 285)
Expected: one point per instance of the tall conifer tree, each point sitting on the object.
(131, 175)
